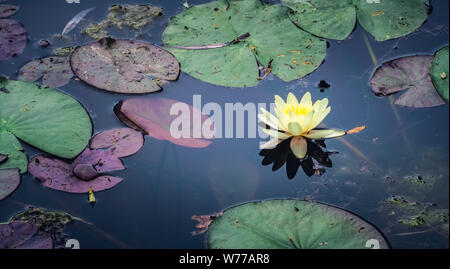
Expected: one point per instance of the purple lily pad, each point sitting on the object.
(153, 116)
(409, 73)
(37, 242)
(124, 66)
(13, 39)
(9, 181)
(54, 71)
(121, 142)
(59, 175)
(3, 157)
(15, 234)
(8, 10)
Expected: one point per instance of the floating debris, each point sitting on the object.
(76, 20)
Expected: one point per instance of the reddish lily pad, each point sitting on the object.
(121, 142)
(153, 116)
(9, 181)
(8, 10)
(38, 242)
(13, 39)
(16, 234)
(59, 175)
(124, 66)
(54, 71)
(409, 73)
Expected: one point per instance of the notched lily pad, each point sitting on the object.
(124, 66)
(409, 73)
(77, 177)
(12, 149)
(13, 39)
(291, 224)
(44, 118)
(291, 53)
(153, 117)
(439, 73)
(54, 71)
(9, 181)
(121, 142)
(8, 10)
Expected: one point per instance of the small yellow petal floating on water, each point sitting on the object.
(443, 75)
(91, 196)
(356, 130)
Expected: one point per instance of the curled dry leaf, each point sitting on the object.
(356, 130)
(203, 222)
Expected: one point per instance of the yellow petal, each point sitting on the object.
(319, 118)
(279, 102)
(305, 122)
(292, 100)
(295, 128)
(276, 134)
(268, 118)
(299, 147)
(306, 100)
(324, 134)
(272, 143)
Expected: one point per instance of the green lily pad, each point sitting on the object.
(384, 19)
(291, 224)
(439, 73)
(291, 53)
(44, 118)
(10, 146)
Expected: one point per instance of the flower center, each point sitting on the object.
(297, 109)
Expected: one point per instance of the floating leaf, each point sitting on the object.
(13, 39)
(384, 20)
(133, 16)
(3, 157)
(153, 116)
(9, 181)
(43, 117)
(409, 73)
(8, 10)
(59, 175)
(291, 224)
(121, 142)
(439, 73)
(76, 20)
(15, 234)
(124, 66)
(293, 52)
(54, 71)
(10, 146)
(203, 222)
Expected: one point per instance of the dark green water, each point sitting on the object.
(166, 184)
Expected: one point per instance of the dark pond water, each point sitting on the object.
(166, 184)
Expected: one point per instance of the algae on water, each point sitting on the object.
(133, 16)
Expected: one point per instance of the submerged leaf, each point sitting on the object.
(54, 71)
(76, 20)
(291, 224)
(44, 117)
(154, 117)
(9, 181)
(439, 73)
(124, 66)
(8, 10)
(13, 39)
(293, 52)
(121, 142)
(384, 20)
(409, 73)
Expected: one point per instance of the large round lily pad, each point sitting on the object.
(9, 181)
(153, 117)
(44, 117)
(54, 71)
(273, 38)
(291, 224)
(409, 73)
(439, 73)
(384, 19)
(124, 66)
(13, 39)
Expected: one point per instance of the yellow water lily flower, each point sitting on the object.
(297, 120)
